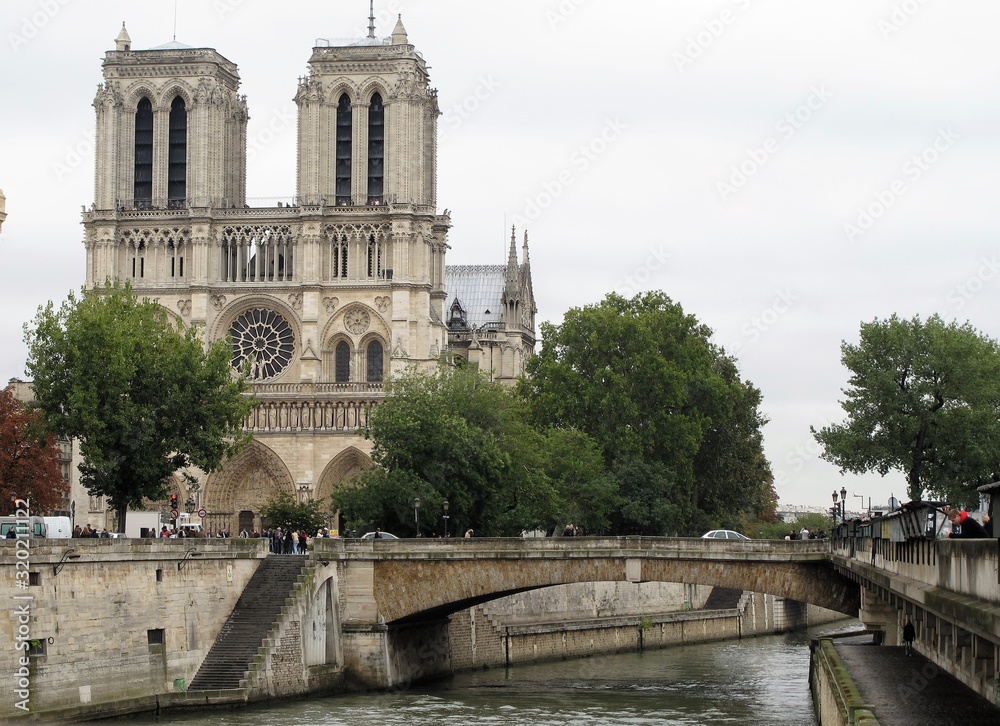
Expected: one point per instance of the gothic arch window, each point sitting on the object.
(343, 170)
(176, 259)
(375, 355)
(376, 150)
(339, 257)
(142, 183)
(177, 154)
(375, 269)
(342, 364)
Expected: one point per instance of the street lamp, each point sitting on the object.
(843, 504)
(189, 505)
(416, 514)
(834, 510)
(445, 517)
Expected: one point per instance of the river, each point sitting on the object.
(757, 680)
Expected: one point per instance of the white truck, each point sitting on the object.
(143, 524)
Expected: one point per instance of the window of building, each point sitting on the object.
(344, 126)
(375, 355)
(376, 150)
(374, 258)
(155, 636)
(339, 258)
(142, 185)
(342, 362)
(177, 155)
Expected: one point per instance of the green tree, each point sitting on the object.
(283, 511)
(143, 398)
(452, 435)
(924, 399)
(642, 378)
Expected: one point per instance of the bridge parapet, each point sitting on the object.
(963, 567)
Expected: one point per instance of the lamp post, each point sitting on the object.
(416, 514)
(834, 509)
(444, 516)
(190, 504)
(843, 504)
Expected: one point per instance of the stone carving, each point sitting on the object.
(357, 320)
(218, 302)
(331, 303)
(185, 307)
(382, 303)
(295, 300)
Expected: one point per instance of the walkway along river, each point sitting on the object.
(756, 680)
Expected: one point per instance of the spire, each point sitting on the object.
(510, 277)
(371, 19)
(399, 32)
(524, 250)
(123, 42)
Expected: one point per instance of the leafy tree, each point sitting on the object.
(283, 511)
(29, 468)
(143, 398)
(452, 435)
(642, 378)
(587, 494)
(924, 399)
(732, 476)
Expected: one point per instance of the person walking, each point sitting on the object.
(909, 635)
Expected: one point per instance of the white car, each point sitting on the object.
(379, 535)
(723, 534)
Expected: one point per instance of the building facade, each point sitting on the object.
(326, 294)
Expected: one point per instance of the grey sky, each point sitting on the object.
(719, 151)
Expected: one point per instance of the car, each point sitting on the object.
(378, 535)
(117, 535)
(723, 534)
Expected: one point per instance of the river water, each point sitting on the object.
(757, 680)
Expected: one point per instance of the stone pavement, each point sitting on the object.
(910, 690)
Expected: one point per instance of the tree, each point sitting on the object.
(924, 399)
(643, 379)
(29, 467)
(283, 511)
(143, 397)
(452, 435)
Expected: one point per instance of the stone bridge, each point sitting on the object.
(394, 596)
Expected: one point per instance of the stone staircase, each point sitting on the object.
(241, 638)
(723, 598)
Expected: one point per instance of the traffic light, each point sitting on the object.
(173, 501)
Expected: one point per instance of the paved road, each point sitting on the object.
(912, 691)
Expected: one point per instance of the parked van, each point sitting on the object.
(34, 526)
(58, 527)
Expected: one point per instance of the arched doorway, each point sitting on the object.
(235, 495)
(346, 466)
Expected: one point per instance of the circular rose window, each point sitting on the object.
(263, 338)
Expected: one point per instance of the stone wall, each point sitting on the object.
(501, 633)
(120, 620)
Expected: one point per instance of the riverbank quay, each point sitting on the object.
(855, 681)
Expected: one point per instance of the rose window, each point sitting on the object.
(263, 338)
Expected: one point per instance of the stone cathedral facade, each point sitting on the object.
(326, 294)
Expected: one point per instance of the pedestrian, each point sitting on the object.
(965, 527)
(569, 531)
(469, 533)
(909, 635)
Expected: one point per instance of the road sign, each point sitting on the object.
(174, 514)
(202, 513)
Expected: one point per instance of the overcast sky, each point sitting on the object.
(784, 169)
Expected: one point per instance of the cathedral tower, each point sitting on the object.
(325, 294)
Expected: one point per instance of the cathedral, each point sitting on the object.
(325, 295)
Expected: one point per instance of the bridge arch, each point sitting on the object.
(419, 581)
